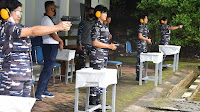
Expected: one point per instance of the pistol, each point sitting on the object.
(71, 18)
(181, 24)
(120, 45)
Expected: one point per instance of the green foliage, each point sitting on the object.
(178, 12)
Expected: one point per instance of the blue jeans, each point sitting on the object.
(49, 53)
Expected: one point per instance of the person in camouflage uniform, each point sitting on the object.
(15, 62)
(15, 59)
(166, 30)
(84, 37)
(100, 47)
(142, 42)
(165, 33)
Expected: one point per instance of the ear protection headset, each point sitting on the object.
(5, 13)
(141, 21)
(98, 14)
(162, 21)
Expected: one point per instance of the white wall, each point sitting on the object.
(74, 10)
(29, 14)
(35, 10)
(64, 10)
(40, 10)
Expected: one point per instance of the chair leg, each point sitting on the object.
(60, 73)
(87, 98)
(53, 76)
(120, 70)
(33, 89)
(71, 74)
(117, 71)
(67, 71)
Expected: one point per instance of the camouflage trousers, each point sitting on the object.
(94, 98)
(14, 87)
(140, 48)
(165, 40)
(86, 49)
(98, 60)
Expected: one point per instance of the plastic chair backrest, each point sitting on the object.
(128, 47)
(39, 54)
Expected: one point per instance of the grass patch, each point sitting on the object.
(128, 90)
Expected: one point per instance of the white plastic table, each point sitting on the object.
(171, 50)
(16, 104)
(89, 77)
(67, 55)
(155, 58)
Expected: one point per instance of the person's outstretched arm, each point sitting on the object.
(44, 30)
(175, 27)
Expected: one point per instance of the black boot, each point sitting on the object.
(137, 76)
(92, 100)
(98, 110)
(98, 99)
(137, 79)
(93, 96)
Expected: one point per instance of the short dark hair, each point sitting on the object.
(10, 4)
(48, 3)
(163, 18)
(90, 8)
(100, 8)
(143, 16)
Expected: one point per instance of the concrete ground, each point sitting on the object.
(130, 96)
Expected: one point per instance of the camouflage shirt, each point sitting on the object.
(100, 32)
(15, 59)
(144, 30)
(165, 33)
(84, 31)
(165, 29)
